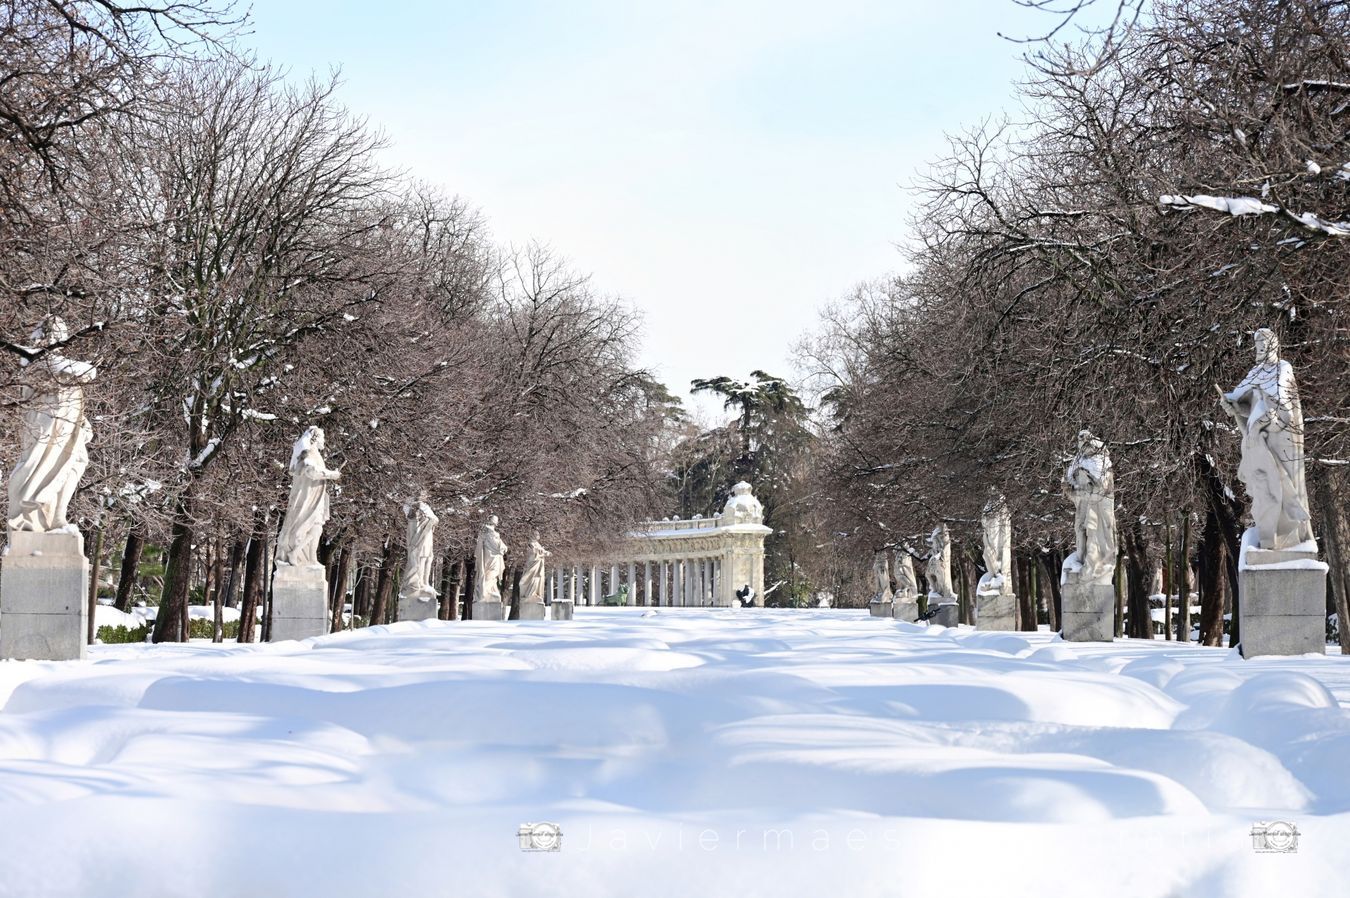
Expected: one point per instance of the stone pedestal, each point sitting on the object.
(561, 610)
(995, 611)
(44, 597)
(880, 608)
(905, 609)
(533, 611)
(1088, 610)
(489, 611)
(418, 607)
(299, 602)
(1281, 603)
(948, 613)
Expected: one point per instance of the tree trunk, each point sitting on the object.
(1330, 484)
(383, 584)
(254, 572)
(94, 561)
(469, 573)
(338, 588)
(1026, 600)
(514, 576)
(131, 562)
(1137, 582)
(1051, 580)
(225, 595)
(1119, 629)
(1181, 579)
(177, 569)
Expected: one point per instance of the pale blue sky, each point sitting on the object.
(726, 168)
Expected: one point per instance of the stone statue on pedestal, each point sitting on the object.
(880, 606)
(422, 523)
(1090, 483)
(1266, 408)
(490, 559)
(906, 583)
(1281, 583)
(44, 576)
(940, 564)
(307, 509)
(996, 523)
(53, 437)
(532, 575)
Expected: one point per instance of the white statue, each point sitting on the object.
(307, 510)
(906, 584)
(1090, 482)
(422, 523)
(940, 564)
(532, 576)
(489, 557)
(881, 577)
(54, 436)
(1266, 408)
(742, 507)
(996, 522)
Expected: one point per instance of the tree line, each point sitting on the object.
(1174, 180)
(226, 247)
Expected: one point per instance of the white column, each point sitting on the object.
(647, 583)
(632, 583)
(595, 585)
(662, 590)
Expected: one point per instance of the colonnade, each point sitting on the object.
(677, 562)
(669, 583)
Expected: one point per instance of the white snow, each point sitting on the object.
(690, 752)
(1250, 540)
(1233, 205)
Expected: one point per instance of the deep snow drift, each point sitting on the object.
(685, 753)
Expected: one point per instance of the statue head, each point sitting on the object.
(492, 521)
(310, 441)
(534, 535)
(1267, 345)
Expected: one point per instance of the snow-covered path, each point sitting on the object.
(689, 753)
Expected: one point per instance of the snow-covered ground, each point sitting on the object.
(686, 753)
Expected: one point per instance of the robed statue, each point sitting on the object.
(906, 583)
(53, 437)
(881, 577)
(307, 509)
(490, 559)
(1090, 483)
(532, 575)
(1266, 409)
(940, 563)
(421, 550)
(996, 524)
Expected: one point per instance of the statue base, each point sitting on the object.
(533, 611)
(1087, 610)
(948, 611)
(561, 610)
(1282, 598)
(880, 607)
(44, 597)
(995, 611)
(905, 610)
(418, 607)
(299, 602)
(489, 611)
